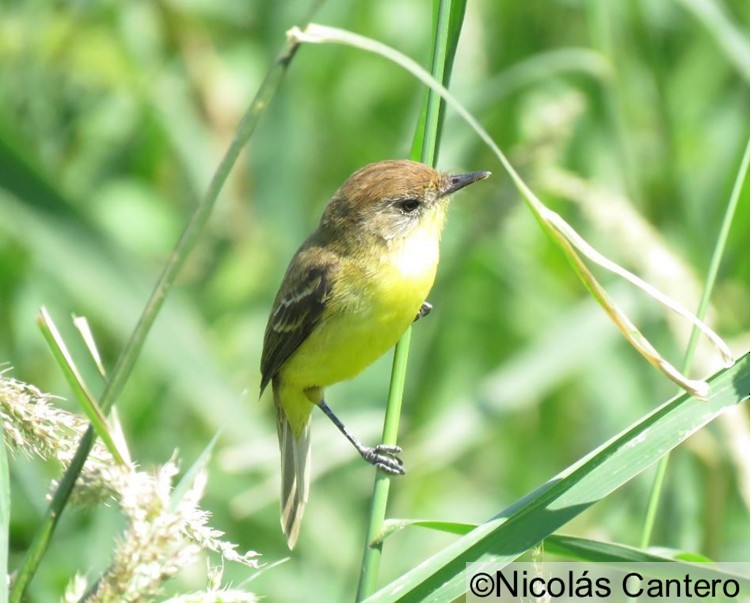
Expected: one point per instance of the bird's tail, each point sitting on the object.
(295, 452)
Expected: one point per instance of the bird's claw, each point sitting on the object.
(423, 311)
(385, 458)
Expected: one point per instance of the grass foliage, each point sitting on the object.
(629, 118)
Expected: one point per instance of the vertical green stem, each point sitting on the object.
(373, 550)
(132, 350)
(714, 267)
(448, 17)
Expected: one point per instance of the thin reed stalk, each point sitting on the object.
(130, 354)
(448, 17)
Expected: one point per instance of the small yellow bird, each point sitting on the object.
(349, 293)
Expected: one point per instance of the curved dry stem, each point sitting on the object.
(559, 230)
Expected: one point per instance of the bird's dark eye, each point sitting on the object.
(408, 205)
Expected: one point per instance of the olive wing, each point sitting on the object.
(297, 310)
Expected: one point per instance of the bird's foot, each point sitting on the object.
(423, 311)
(384, 458)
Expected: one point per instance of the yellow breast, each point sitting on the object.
(367, 316)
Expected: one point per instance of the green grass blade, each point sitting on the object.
(186, 481)
(130, 354)
(578, 549)
(584, 549)
(536, 516)
(73, 376)
(84, 330)
(392, 526)
(714, 268)
(718, 252)
(571, 547)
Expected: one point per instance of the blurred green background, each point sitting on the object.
(628, 117)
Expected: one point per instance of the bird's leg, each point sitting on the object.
(423, 311)
(382, 456)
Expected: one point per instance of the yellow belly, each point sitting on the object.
(367, 322)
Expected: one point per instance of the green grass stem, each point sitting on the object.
(448, 17)
(79, 388)
(373, 545)
(714, 267)
(132, 350)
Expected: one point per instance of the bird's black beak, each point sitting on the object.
(462, 180)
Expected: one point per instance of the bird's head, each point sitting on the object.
(388, 200)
